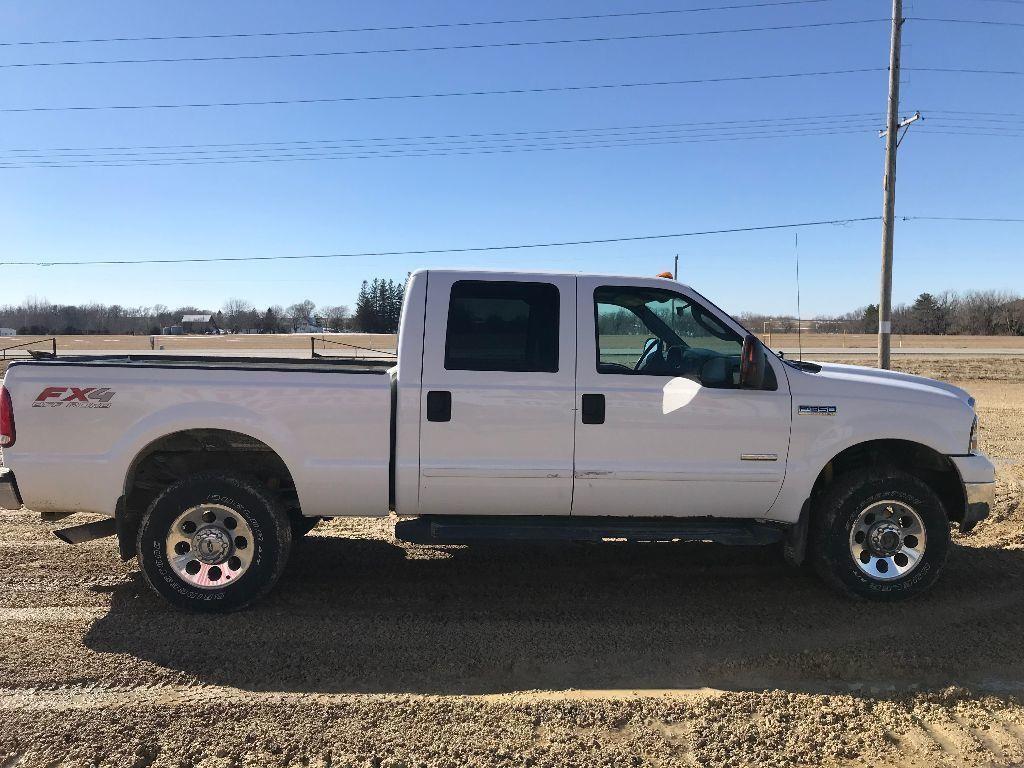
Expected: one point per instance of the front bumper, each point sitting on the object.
(979, 478)
(981, 497)
(9, 496)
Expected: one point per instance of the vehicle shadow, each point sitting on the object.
(365, 615)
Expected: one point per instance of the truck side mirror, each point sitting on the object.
(714, 372)
(752, 363)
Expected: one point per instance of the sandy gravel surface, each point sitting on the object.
(374, 653)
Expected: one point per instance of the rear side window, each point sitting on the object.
(502, 326)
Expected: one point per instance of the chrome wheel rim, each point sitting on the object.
(210, 546)
(887, 540)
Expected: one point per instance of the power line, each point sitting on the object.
(973, 118)
(964, 71)
(335, 152)
(968, 21)
(1003, 135)
(713, 124)
(964, 218)
(414, 151)
(447, 94)
(414, 154)
(409, 27)
(440, 48)
(435, 251)
(972, 112)
(514, 247)
(609, 133)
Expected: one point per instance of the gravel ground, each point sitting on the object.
(375, 653)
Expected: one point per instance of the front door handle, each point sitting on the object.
(593, 409)
(439, 406)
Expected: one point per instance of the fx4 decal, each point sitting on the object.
(74, 397)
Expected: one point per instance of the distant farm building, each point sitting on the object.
(8, 332)
(199, 324)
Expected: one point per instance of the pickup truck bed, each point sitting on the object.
(322, 417)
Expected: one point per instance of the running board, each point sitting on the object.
(79, 534)
(459, 529)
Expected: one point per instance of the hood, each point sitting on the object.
(855, 374)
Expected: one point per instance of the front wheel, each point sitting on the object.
(880, 534)
(213, 542)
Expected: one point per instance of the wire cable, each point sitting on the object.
(440, 48)
(965, 71)
(409, 27)
(967, 21)
(992, 219)
(434, 251)
(115, 162)
(468, 141)
(446, 94)
(753, 122)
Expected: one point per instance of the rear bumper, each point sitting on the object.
(9, 496)
(979, 478)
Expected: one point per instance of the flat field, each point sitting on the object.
(899, 341)
(300, 341)
(372, 652)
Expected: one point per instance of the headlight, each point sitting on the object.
(973, 446)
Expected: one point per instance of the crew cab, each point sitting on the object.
(522, 406)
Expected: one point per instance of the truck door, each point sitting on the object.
(496, 422)
(662, 428)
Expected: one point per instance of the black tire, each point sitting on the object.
(837, 511)
(261, 511)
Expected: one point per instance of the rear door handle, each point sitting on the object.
(593, 409)
(439, 406)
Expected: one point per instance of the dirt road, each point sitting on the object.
(374, 653)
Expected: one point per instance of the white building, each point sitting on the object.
(8, 332)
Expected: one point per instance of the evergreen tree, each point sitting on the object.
(270, 321)
(869, 320)
(927, 315)
(378, 306)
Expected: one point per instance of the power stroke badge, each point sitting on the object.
(816, 410)
(74, 397)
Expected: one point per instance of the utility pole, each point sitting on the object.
(889, 187)
(892, 143)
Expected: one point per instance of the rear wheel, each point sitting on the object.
(213, 542)
(880, 534)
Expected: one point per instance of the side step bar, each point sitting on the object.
(79, 534)
(459, 529)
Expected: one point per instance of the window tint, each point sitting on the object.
(502, 326)
(657, 332)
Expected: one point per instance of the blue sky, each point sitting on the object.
(331, 206)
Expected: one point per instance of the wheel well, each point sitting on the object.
(919, 460)
(180, 454)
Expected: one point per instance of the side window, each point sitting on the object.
(502, 326)
(657, 332)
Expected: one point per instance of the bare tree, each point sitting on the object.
(301, 313)
(238, 315)
(334, 316)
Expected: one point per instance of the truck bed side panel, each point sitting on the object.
(331, 429)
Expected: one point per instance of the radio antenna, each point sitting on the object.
(799, 324)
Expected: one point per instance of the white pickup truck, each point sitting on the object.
(522, 406)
